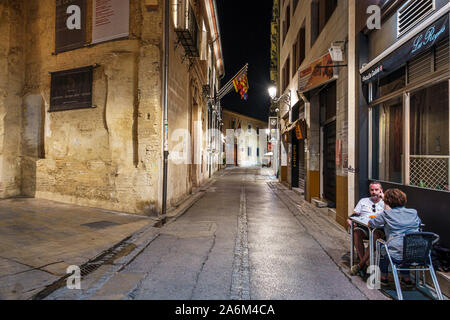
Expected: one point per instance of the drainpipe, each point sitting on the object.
(165, 104)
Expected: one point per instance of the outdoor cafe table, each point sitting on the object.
(362, 221)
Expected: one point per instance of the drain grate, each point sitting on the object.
(108, 257)
(88, 268)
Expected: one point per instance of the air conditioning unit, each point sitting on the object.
(186, 27)
(411, 13)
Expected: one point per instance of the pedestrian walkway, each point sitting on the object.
(39, 239)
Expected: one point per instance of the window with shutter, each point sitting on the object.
(442, 56)
(420, 66)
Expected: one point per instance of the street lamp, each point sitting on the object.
(286, 97)
(272, 92)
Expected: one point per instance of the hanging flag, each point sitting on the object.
(241, 84)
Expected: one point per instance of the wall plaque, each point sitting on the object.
(71, 89)
(111, 20)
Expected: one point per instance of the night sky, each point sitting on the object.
(245, 35)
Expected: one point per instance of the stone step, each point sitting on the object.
(319, 203)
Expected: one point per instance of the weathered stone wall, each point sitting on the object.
(179, 104)
(11, 87)
(187, 117)
(108, 156)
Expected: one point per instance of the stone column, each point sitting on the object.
(12, 68)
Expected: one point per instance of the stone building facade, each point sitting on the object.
(109, 155)
(318, 98)
(245, 140)
(373, 115)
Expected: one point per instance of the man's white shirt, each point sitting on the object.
(365, 207)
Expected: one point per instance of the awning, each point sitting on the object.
(319, 72)
(300, 128)
(406, 49)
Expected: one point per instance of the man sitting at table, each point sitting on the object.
(371, 206)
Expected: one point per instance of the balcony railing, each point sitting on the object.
(187, 29)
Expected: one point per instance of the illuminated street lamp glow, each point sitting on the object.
(272, 92)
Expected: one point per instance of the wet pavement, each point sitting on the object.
(239, 241)
(40, 238)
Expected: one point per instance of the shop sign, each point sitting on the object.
(427, 38)
(372, 73)
(417, 45)
(300, 129)
(315, 75)
(70, 28)
(294, 155)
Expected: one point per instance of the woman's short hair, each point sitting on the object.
(395, 198)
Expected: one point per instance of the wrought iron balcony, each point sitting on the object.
(187, 30)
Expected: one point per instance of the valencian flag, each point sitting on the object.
(241, 84)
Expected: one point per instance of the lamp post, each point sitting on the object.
(286, 97)
(275, 107)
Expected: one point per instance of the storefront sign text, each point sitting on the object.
(317, 73)
(373, 73)
(428, 38)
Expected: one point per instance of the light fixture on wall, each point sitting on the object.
(336, 53)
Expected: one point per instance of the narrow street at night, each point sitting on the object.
(239, 241)
(186, 153)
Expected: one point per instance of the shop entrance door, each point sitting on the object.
(329, 161)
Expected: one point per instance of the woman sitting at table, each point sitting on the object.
(397, 221)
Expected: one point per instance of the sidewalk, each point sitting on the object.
(331, 236)
(334, 238)
(39, 239)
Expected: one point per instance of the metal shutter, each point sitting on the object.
(420, 66)
(442, 58)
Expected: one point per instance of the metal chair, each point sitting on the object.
(416, 257)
